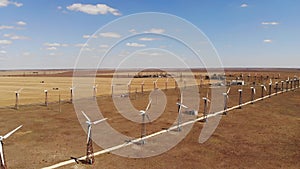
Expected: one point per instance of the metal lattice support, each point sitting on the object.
(90, 152)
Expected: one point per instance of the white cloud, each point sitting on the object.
(26, 53)
(51, 48)
(52, 44)
(135, 44)
(244, 5)
(93, 9)
(147, 39)
(89, 36)
(5, 42)
(155, 30)
(59, 7)
(81, 45)
(268, 41)
(5, 3)
(103, 46)
(110, 35)
(21, 23)
(6, 27)
(64, 45)
(270, 23)
(132, 31)
(15, 37)
(3, 52)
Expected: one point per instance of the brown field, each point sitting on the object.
(263, 135)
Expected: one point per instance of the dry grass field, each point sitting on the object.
(263, 135)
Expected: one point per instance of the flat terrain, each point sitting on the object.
(263, 135)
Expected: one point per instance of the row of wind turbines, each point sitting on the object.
(290, 85)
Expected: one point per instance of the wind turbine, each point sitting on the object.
(95, 91)
(46, 97)
(71, 93)
(240, 98)
(270, 87)
(226, 97)
(144, 115)
(17, 98)
(155, 84)
(287, 83)
(3, 163)
(276, 88)
(206, 100)
(253, 92)
(142, 86)
(166, 84)
(263, 87)
(180, 104)
(89, 152)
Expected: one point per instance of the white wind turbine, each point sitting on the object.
(71, 94)
(206, 100)
(142, 86)
(155, 84)
(17, 98)
(95, 87)
(270, 87)
(90, 153)
(3, 163)
(263, 88)
(253, 92)
(144, 115)
(180, 104)
(226, 98)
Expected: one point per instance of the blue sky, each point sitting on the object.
(50, 33)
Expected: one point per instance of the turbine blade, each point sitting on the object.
(98, 121)
(228, 91)
(149, 104)
(254, 90)
(148, 117)
(265, 88)
(20, 90)
(2, 155)
(181, 98)
(88, 119)
(184, 106)
(10, 133)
